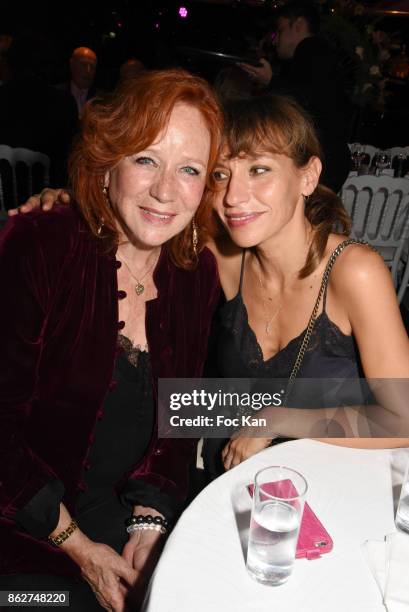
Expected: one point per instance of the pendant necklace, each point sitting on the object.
(269, 319)
(139, 287)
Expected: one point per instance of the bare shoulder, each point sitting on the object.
(358, 269)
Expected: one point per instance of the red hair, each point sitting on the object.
(125, 122)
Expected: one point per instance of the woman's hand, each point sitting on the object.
(108, 574)
(240, 448)
(46, 200)
(142, 552)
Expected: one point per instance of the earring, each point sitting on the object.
(100, 226)
(195, 237)
(101, 222)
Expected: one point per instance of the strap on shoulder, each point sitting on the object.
(311, 324)
(332, 259)
(243, 257)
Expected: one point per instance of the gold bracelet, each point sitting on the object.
(63, 535)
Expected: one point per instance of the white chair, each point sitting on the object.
(379, 209)
(369, 150)
(394, 151)
(15, 156)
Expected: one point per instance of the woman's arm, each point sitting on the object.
(363, 285)
(28, 280)
(25, 280)
(142, 552)
(108, 574)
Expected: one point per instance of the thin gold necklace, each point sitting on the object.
(139, 287)
(269, 319)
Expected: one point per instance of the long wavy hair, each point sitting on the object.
(277, 124)
(125, 122)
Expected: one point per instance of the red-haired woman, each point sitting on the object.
(92, 316)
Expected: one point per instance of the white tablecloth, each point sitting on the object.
(202, 568)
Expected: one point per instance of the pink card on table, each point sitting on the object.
(313, 539)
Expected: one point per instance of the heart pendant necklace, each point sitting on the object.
(139, 287)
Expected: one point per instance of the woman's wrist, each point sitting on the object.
(146, 520)
(145, 510)
(77, 543)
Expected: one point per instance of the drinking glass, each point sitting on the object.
(402, 513)
(383, 161)
(357, 156)
(278, 505)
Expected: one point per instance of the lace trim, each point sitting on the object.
(326, 335)
(131, 350)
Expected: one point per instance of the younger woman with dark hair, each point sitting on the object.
(301, 300)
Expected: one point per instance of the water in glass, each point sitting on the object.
(272, 542)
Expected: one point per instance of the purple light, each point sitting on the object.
(157, 26)
(183, 12)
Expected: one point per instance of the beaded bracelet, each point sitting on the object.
(146, 526)
(63, 535)
(146, 521)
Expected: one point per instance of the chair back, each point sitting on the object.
(394, 151)
(10, 177)
(368, 151)
(379, 209)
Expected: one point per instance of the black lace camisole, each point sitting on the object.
(330, 353)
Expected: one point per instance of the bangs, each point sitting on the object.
(268, 125)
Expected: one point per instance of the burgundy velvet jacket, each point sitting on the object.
(58, 333)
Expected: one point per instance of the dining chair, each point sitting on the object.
(404, 282)
(368, 151)
(379, 209)
(394, 151)
(17, 169)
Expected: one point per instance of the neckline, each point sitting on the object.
(322, 316)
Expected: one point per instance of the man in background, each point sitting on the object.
(310, 73)
(83, 65)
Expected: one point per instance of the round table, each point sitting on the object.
(202, 567)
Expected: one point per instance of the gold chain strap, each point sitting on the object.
(313, 318)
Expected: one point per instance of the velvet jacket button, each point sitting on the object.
(121, 324)
(118, 264)
(121, 294)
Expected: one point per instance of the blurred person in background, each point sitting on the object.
(83, 66)
(130, 68)
(310, 74)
